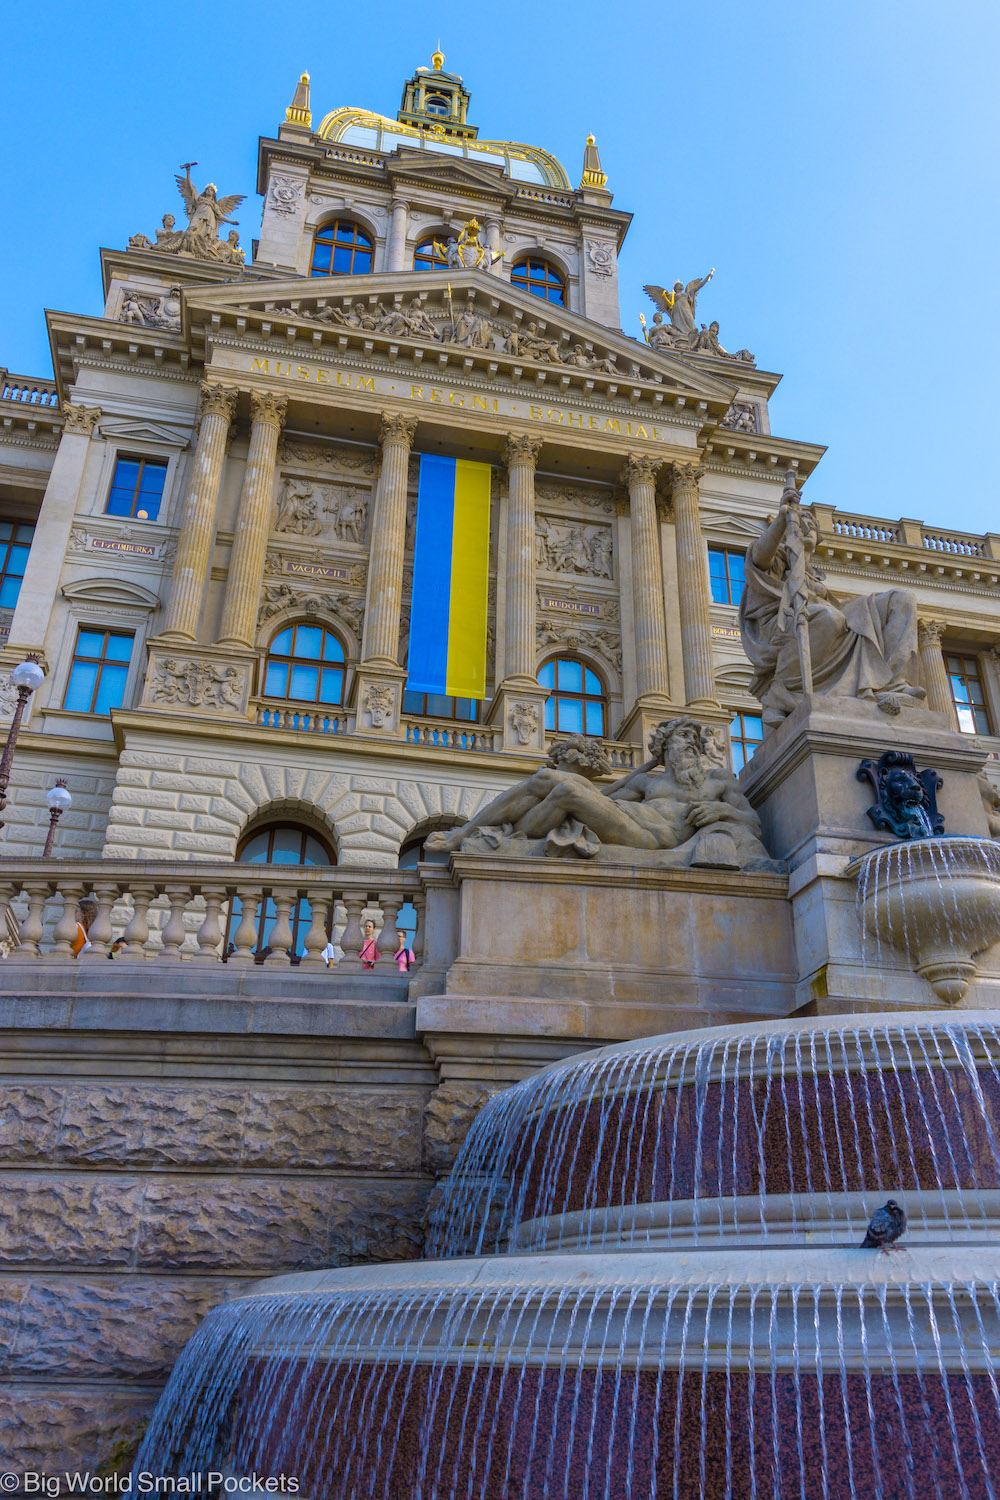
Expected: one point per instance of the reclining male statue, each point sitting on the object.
(683, 803)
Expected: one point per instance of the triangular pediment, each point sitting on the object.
(145, 432)
(425, 315)
(408, 164)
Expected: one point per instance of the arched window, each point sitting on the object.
(576, 702)
(305, 663)
(426, 258)
(541, 278)
(280, 844)
(341, 248)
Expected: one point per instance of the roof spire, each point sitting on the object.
(437, 59)
(592, 177)
(298, 112)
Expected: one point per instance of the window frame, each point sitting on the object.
(299, 922)
(142, 459)
(317, 704)
(741, 738)
(524, 259)
(726, 553)
(453, 717)
(433, 262)
(102, 661)
(951, 654)
(359, 228)
(582, 696)
(13, 541)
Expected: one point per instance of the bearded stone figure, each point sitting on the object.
(682, 807)
(802, 640)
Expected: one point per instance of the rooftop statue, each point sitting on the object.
(680, 305)
(206, 213)
(467, 253)
(803, 640)
(683, 805)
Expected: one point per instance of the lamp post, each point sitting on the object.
(26, 677)
(59, 801)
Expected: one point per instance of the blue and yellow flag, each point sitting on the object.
(450, 576)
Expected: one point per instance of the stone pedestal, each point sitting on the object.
(803, 783)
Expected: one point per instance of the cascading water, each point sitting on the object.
(648, 1283)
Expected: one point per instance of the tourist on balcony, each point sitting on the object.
(369, 952)
(404, 954)
(86, 911)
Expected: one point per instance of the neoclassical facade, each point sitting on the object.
(209, 514)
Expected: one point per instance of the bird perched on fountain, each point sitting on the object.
(885, 1227)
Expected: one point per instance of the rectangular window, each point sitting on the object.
(15, 542)
(967, 694)
(100, 666)
(745, 733)
(725, 572)
(137, 488)
(437, 706)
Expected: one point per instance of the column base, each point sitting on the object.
(200, 680)
(518, 711)
(376, 699)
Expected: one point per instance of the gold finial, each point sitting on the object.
(298, 112)
(437, 59)
(592, 177)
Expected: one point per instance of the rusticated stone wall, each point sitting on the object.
(147, 1175)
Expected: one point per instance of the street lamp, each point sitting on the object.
(59, 801)
(26, 677)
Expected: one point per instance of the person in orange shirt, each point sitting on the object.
(86, 911)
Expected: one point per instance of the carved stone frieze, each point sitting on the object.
(524, 720)
(284, 194)
(741, 416)
(177, 681)
(152, 311)
(550, 492)
(339, 460)
(82, 419)
(278, 597)
(600, 257)
(337, 512)
(569, 547)
(379, 703)
(574, 636)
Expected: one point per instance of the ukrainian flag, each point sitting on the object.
(450, 576)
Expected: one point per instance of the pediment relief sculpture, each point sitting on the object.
(152, 311)
(683, 807)
(552, 493)
(601, 643)
(276, 598)
(310, 510)
(804, 641)
(206, 215)
(567, 547)
(338, 460)
(197, 684)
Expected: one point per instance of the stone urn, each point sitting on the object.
(938, 901)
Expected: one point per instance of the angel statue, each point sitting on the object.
(679, 305)
(206, 214)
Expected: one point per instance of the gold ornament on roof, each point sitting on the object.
(467, 252)
(437, 60)
(592, 177)
(298, 112)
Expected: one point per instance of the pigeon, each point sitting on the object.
(886, 1225)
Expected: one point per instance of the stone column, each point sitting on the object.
(246, 564)
(377, 691)
(396, 256)
(693, 592)
(518, 706)
(385, 566)
(520, 453)
(197, 534)
(649, 625)
(932, 669)
(52, 532)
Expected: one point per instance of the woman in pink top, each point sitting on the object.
(369, 954)
(403, 955)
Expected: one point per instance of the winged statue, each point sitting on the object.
(206, 212)
(679, 305)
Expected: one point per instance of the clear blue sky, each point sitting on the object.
(836, 163)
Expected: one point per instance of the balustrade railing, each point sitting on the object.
(31, 392)
(961, 546)
(205, 913)
(305, 720)
(865, 530)
(451, 736)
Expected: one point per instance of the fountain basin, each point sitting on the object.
(938, 901)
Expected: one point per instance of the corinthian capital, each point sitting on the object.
(267, 409)
(218, 400)
(521, 448)
(929, 632)
(686, 476)
(640, 468)
(395, 428)
(80, 418)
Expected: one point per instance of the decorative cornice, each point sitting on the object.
(267, 409)
(521, 448)
(395, 428)
(81, 419)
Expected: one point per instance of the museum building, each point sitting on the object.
(319, 554)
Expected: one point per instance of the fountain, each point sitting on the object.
(647, 1281)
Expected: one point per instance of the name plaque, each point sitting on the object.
(568, 606)
(316, 570)
(134, 549)
(727, 632)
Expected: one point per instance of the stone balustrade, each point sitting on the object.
(192, 901)
(271, 715)
(28, 389)
(451, 736)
